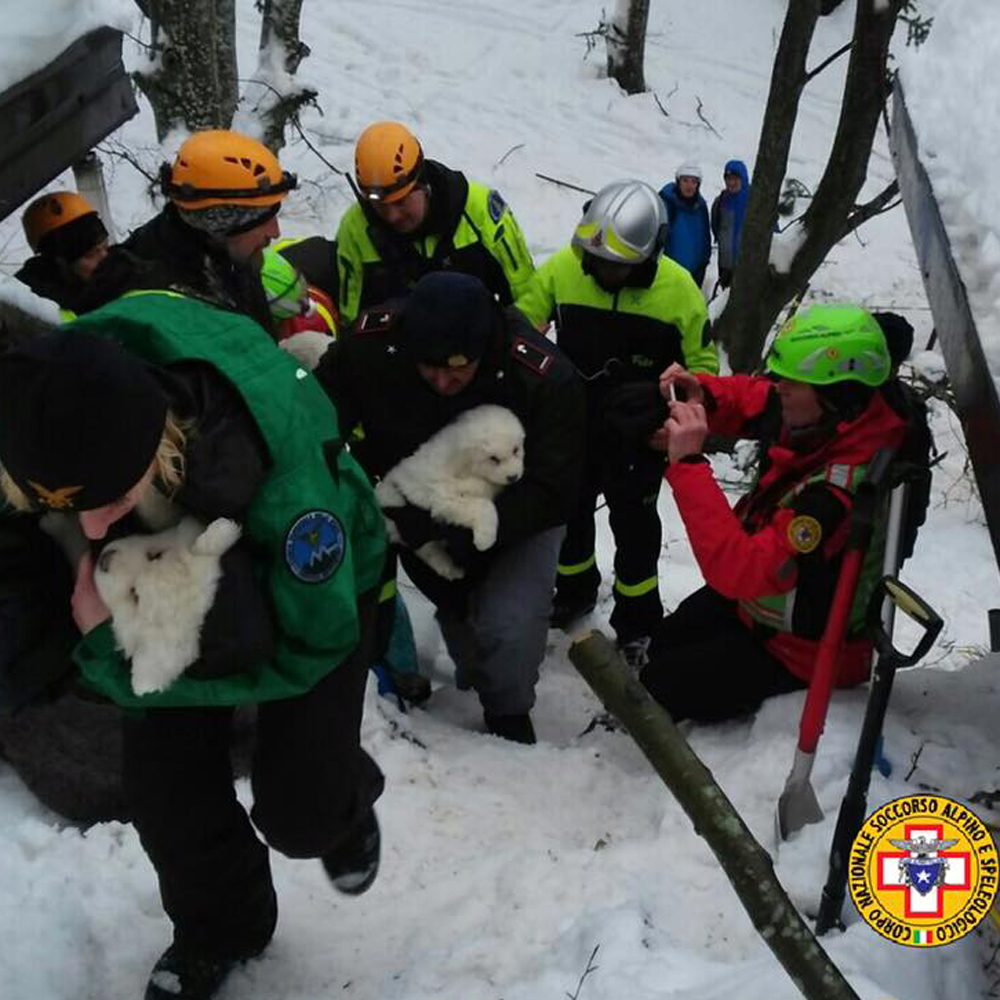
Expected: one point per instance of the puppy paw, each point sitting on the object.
(437, 558)
(484, 530)
(217, 538)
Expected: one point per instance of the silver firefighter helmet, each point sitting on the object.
(625, 222)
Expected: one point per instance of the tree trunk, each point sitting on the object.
(759, 292)
(743, 316)
(746, 864)
(626, 44)
(226, 60)
(272, 98)
(191, 78)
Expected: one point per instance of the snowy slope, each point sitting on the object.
(504, 867)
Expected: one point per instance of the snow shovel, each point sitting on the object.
(798, 805)
(855, 802)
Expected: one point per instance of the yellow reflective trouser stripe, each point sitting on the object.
(636, 589)
(388, 591)
(574, 569)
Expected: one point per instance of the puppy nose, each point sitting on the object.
(513, 478)
(104, 560)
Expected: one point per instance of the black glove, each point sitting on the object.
(415, 525)
(458, 542)
(633, 411)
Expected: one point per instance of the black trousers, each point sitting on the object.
(312, 783)
(706, 665)
(631, 493)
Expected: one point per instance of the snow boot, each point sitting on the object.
(177, 976)
(352, 867)
(411, 687)
(516, 728)
(566, 612)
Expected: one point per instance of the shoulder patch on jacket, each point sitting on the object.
(496, 205)
(375, 321)
(804, 533)
(532, 356)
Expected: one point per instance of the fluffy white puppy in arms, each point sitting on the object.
(158, 589)
(455, 476)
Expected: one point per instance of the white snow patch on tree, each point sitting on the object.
(785, 245)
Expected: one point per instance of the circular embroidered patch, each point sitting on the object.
(923, 871)
(314, 546)
(804, 533)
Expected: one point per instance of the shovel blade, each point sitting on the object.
(798, 805)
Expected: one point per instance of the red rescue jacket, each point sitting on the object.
(746, 552)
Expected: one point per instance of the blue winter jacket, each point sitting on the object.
(727, 217)
(689, 239)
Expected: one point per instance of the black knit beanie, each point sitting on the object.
(74, 239)
(80, 420)
(448, 319)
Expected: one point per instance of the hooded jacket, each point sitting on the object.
(727, 216)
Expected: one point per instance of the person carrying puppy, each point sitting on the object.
(223, 426)
(407, 371)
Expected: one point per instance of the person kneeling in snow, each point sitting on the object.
(403, 374)
(771, 564)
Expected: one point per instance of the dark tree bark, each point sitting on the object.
(191, 78)
(625, 36)
(272, 98)
(746, 864)
(759, 292)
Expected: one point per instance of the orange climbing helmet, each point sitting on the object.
(52, 211)
(218, 167)
(387, 162)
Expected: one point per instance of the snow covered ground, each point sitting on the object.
(504, 867)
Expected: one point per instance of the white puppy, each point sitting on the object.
(158, 589)
(455, 476)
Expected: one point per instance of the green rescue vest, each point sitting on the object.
(314, 521)
(777, 610)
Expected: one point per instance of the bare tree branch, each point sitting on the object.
(882, 202)
(708, 124)
(513, 149)
(829, 59)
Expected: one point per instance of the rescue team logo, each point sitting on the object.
(923, 871)
(314, 546)
(804, 533)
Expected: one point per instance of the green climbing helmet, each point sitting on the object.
(284, 285)
(827, 344)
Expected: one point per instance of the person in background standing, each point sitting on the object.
(727, 217)
(689, 237)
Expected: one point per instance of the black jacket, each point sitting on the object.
(167, 253)
(46, 278)
(373, 383)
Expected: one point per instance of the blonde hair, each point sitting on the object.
(169, 461)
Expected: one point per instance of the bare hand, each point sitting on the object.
(88, 608)
(678, 376)
(686, 430)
